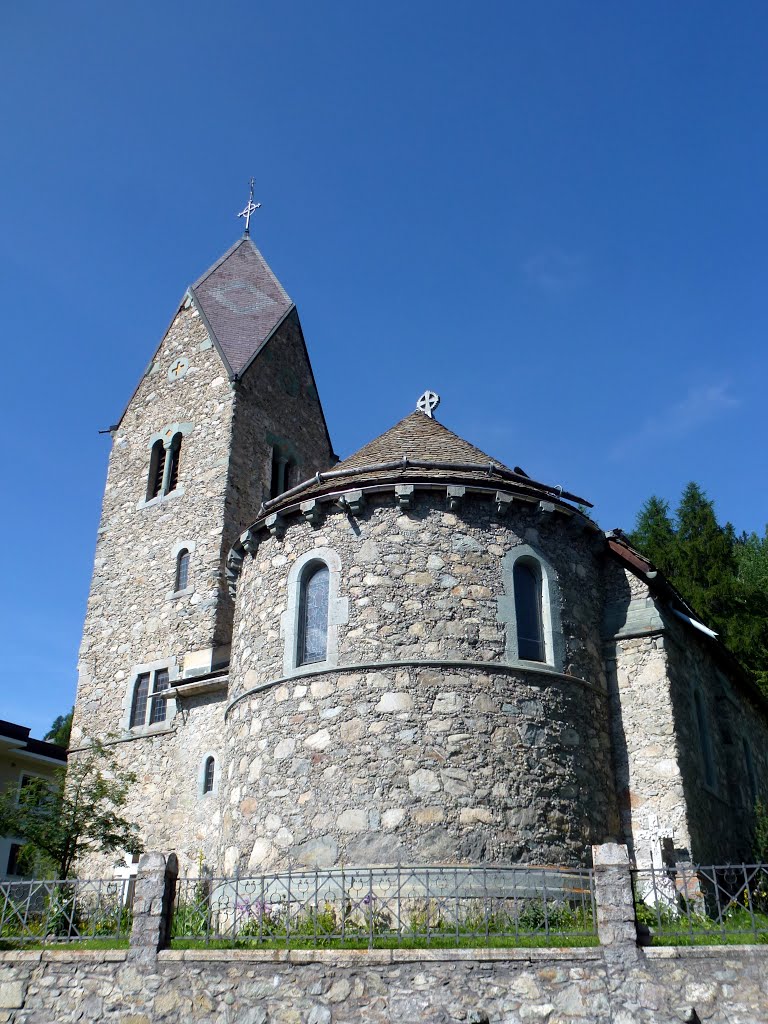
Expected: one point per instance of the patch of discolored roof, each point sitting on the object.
(241, 302)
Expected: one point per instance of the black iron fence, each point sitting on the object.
(390, 907)
(688, 905)
(66, 910)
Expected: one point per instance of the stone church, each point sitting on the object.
(414, 655)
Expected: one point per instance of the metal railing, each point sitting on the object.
(390, 907)
(66, 910)
(688, 905)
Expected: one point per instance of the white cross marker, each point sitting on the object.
(428, 402)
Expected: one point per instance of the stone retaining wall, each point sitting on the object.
(722, 985)
(616, 983)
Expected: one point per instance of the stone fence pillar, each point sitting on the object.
(613, 896)
(153, 905)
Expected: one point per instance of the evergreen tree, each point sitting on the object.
(654, 534)
(705, 570)
(752, 560)
(60, 730)
(724, 578)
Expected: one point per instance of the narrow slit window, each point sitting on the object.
(274, 484)
(182, 569)
(156, 470)
(749, 764)
(530, 633)
(705, 741)
(159, 702)
(174, 454)
(140, 695)
(313, 615)
(208, 775)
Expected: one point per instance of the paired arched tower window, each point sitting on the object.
(149, 705)
(164, 463)
(284, 472)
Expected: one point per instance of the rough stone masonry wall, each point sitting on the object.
(647, 770)
(416, 765)
(720, 815)
(411, 762)
(658, 755)
(132, 616)
(276, 406)
(723, 985)
(421, 584)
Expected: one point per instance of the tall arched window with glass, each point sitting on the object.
(530, 632)
(182, 570)
(209, 774)
(313, 615)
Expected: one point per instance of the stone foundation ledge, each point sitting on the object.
(364, 957)
(757, 950)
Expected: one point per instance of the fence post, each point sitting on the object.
(613, 895)
(153, 905)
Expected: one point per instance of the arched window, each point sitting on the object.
(209, 774)
(705, 741)
(174, 456)
(313, 615)
(156, 470)
(182, 569)
(530, 633)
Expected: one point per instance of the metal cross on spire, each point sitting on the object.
(250, 208)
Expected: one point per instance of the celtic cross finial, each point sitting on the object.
(250, 208)
(428, 402)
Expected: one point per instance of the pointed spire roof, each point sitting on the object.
(241, 303)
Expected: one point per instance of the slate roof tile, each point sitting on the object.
(242, 303)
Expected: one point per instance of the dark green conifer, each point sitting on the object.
(654, 534)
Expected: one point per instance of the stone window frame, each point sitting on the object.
(136, 731)
(554, 641)
(178, 547)
(338, 612)
(201, 791)
(167, 435)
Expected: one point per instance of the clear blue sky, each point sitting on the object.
(554, 214)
